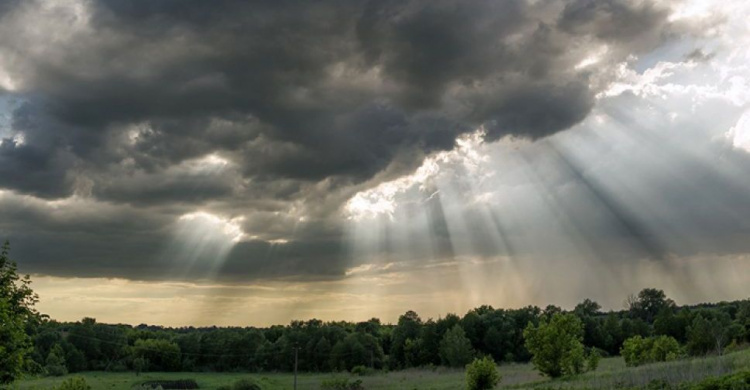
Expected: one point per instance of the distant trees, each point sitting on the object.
(356, 349)
(576, 340)
(160, 355)
(55, 362)
(17, 313)
(455, 348)
(555, 345)
(712, 333)
(407, 329)
(648, 303)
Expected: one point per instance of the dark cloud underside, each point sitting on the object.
(294, 103)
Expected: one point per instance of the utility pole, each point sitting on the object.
(296, 348)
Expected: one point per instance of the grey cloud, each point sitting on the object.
(307, 101)
(271, 69)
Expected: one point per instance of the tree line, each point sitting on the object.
(651, 328)
(412, 342)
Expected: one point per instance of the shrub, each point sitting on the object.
(361, 370)
(481, 374)
(556, 345)
(638, 350)
(341, 384)
(76, 383)
(662, 348)
(737, 381)
(55, 362)
(245, 384)
(176, 384)
(592, 363)
(139, 365)
(658, 384)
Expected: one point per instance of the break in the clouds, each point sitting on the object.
(521, 143)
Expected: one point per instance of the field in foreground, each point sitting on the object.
(612, 373)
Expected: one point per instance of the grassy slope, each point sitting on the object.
(611, 373)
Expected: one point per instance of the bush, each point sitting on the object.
(55, 362)
(361, 370)
(245, 384)
(481, 374)
(341, 384)
(176, 384)
(658, 384)
(737, 381)
(76, 383)
(592, 363)
(140, 365)
(556, 345)
(638, 350)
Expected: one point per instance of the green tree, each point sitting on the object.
(711, 334)
(649, 303)
(455, 347)
(162, 355)
(555, 345)
(638, 350)
(592, 361)
(408, 327)
(16, 314)
(482, 374)
(140, 365)
(664, 348)
(55, 362)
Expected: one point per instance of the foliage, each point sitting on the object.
(638, 350)
(556, 345)
(245, 384)
(481, 374)
(75, 383)
(649, 303)
(413, 342)
(361, 370)
(455, 348)
(16, 314)
(56, 362)
(161, 355)
(711, 333)
(140, 365)
(171, 384)
(737, 381)
(341, 384)
(592, 361)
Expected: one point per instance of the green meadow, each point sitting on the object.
(611, 374)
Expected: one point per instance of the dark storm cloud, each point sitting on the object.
(302, 100)
(299, 71)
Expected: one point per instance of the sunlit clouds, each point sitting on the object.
(233, 164)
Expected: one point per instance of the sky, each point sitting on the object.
(248, 163)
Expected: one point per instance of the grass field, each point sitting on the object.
(612, 373)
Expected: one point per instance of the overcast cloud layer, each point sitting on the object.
(238, 141)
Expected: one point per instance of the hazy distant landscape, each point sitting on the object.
(660, 345)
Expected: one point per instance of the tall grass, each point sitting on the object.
(675, 372)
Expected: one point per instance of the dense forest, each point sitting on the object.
(61, 347)
(558, 342)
